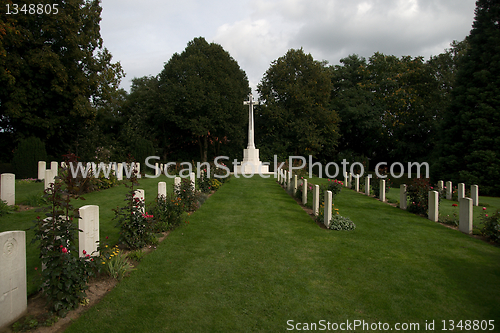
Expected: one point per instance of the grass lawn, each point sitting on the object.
(251, 259)
(106, 200)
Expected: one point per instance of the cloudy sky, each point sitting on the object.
(143, 35)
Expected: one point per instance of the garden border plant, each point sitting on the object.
(65, 274)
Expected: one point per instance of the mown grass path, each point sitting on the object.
(251, 259)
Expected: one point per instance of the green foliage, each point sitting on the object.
(186, 192)
(136, 255)
(26, 156)
(339, 222)
(300, 189)
(490, 227)
(77, 184)
(451, 220)
(54, 72)
(375, 182)
(296, 119)
(168, 212)
(470, 141)
(201, 92)
(320, 218)
(417, 193)
(142, 149)
(35, 200)
(4, 208)
(389, 107)
(136, 227)
(334, 186)
(116, 264)
(66, 275)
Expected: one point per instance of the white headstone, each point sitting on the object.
(350, 180)
(13, 297)
(382, 190)
(89, 224)
(138, 167)
(48, 179)
(465, 215)
(42, 166)
(162, 189)
(304, 192)
(316, 200)
(356, 184)
(54, 166)
(328, 208)
(403, 202)
(461, 191)
(157, 169)
(192, 178)
(433, 210)
(8, 188)
(449, 190)
(474, 193)
(177, 182)
(119, 171)
(367, 185)
(440, 186)
(346, 180)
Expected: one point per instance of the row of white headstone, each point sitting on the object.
(13, 296)
(465, 210)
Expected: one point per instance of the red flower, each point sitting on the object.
(84, 252)
(64, 250)
(484, 208)
(454, 205)
(36, 268)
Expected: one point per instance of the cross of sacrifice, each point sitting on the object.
(250, 104)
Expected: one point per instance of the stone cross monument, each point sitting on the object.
(251, 162)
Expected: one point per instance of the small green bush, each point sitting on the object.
(418, 196)
(490, 227)
(187, 195)
(339, 222)
(4, 208)
(167, 212)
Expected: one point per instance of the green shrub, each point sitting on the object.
(66, 275)
(26, 156)
(35, 200)
(187, 195)
(4, 208)
(339, 222)
(136, 227)
(167, 212)
(490, 226)
(418, 196)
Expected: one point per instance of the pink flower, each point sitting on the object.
(486, 215)
(64, 250)
(484, 208)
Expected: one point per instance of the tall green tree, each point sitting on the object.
(296, 118)
(202, 91)
(54, 71)
(360, 115)
(470, 145)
